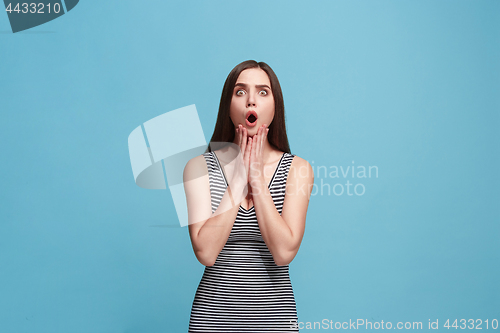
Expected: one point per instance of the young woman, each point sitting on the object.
(247, 210)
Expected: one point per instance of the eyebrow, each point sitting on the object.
(257, 85)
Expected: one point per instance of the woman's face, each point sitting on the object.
(252, 102)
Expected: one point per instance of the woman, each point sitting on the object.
(247, 210)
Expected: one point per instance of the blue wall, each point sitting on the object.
(411, 87)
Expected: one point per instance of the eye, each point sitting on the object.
(240, 92)
(263, 92)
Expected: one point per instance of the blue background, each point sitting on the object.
(411, 87)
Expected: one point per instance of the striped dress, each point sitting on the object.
(245, 291)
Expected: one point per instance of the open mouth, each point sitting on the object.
(251, 118)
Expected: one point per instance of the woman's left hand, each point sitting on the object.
(256, 167)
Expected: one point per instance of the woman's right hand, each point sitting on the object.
(239, 166)
(235, 161)
(245, 145)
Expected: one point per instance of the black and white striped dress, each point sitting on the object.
(245, 291)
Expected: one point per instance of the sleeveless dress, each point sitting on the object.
(245, 291)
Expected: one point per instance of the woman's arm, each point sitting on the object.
(208, 232)
(283, 234)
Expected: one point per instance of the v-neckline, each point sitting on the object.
(268, 186)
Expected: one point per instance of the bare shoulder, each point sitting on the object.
(301, 168)
(195, 167)
(298, 191)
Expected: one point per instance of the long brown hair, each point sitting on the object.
(224, 129)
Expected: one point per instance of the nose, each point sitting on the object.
(251, 100)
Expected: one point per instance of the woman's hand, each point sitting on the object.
(237, 169)
(245, 148)
(256, 172)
